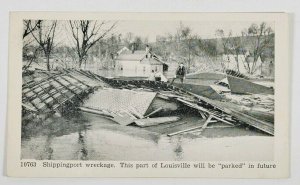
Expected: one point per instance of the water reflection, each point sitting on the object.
(178, 150)
(48, 148)
(90, 137)
(83, 152)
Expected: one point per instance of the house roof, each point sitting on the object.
(128, 55)
(140, 55)
(151, 61)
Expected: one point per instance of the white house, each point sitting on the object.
(138, 63)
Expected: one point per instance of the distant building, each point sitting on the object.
(138, 63)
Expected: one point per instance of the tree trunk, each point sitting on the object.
(48, 62)
(255, 58)
(80, 62)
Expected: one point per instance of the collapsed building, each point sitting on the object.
(148, 104)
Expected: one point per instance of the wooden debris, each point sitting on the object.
(193, 105)
(117, 100)
(155, 121)
(51, 91)
(194, 128)
(48, 91)
(242, 86)
(117, 117)
(155, 111)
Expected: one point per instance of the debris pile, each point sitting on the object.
(145, 103)
(44, 93)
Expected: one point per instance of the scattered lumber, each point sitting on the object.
(193, 128)
(155, 121)
(118, 117)
(95, 111)
(50, 91)
(202, 109)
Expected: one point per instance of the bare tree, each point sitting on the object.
(30, 51)
(232, 45)
(30, 26)
(225, 39)
(45, 37)
(261, 38)
(187, 44)
(86, 34)
(31, 57)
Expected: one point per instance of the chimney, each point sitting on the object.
(132, 48)
(147, 50)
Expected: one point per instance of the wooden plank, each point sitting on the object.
(68, 88)
(33, 109)
(38, 82)
(72, 76)
(193, 105)
(155, 121)
(153, 112)
(202, 114)
(118, 117)
(190, 129)
(96, 77)
(94, 111)
(42, 100)
(50, 95)
(79, 87)
(206, 123)
(257, 123)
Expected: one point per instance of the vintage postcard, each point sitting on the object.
(148, 95)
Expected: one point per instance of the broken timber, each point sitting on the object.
(49, 93)
(220, 111)
(194, 128)
(155, 121)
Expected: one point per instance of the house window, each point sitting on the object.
(144, 68)
(156, 68)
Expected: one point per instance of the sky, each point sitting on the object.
(151, 29)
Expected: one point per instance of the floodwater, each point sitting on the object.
(83, 136)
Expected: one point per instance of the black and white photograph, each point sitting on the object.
(150, 90)
(148, 95)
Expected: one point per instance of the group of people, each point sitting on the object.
(180, 74)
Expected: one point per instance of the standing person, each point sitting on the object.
(180, 73)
